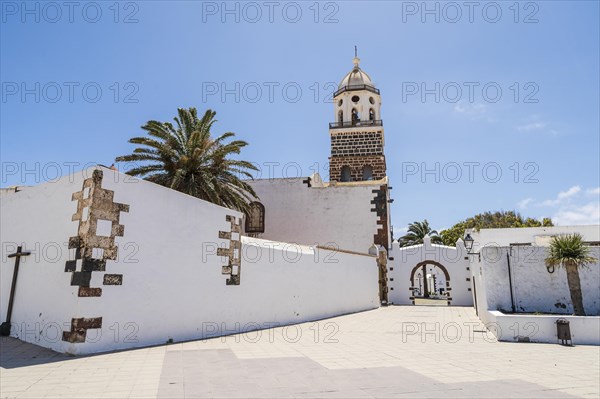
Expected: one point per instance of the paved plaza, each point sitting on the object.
(398, 351)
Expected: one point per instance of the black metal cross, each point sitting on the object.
(5, 327)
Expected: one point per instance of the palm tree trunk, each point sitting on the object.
(575, 288)
(425, 288)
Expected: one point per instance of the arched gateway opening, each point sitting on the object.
(430, 284)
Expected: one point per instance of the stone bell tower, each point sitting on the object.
(357, 139)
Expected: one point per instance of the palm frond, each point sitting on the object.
(185, 157)
(569, 248)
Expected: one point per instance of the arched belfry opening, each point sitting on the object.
(367, 172)
(355, 116)
(346, 174)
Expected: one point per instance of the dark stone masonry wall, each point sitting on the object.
(381, 208)
(356, 150)
(356, 143)
(356, 164)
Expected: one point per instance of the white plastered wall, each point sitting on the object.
(334, 215)
(173, 286)
(534, 289)
(540, 298)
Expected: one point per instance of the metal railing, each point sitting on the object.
(356, 87)
(338, 125)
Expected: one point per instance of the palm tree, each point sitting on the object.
(570, 252)
(186, 158)
(416, 232)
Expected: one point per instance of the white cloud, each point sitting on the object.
(593, 191)
(475, 112)
(562, 197)
(568, 207)
(534, 123)
(569, 193)
(400, 231)
(523, 203)
(470, 109)
(531, 126)
(578, 215)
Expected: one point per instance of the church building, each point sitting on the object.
(351, 211)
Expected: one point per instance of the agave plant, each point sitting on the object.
(186, 158)
(570, 252)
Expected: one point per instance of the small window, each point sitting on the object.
(346, 174)
(341, 116)
(371, 100)
(255, 218)
(367, 172)
(355, 99)
(340, 102)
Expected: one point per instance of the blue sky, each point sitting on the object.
(468, 93)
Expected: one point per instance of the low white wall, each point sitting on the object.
(173, 286)
(533, 288)
(338, 215)
(585, 330)
(531, 235)
(406, 258)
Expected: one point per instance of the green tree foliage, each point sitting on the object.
(490, 220)
(186, 158)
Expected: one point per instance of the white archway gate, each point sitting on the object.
(426, 286)
(406, 262)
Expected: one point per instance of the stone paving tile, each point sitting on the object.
(400, 351)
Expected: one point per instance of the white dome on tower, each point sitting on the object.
(356, 77)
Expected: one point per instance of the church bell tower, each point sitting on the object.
(357, 138)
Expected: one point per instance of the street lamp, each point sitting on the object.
(469, 241)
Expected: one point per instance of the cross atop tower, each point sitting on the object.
(356, 60)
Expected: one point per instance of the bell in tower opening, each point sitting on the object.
(357, 138)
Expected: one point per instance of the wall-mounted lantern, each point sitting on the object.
(469, 241)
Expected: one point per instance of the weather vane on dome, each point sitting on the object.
(355, 52)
